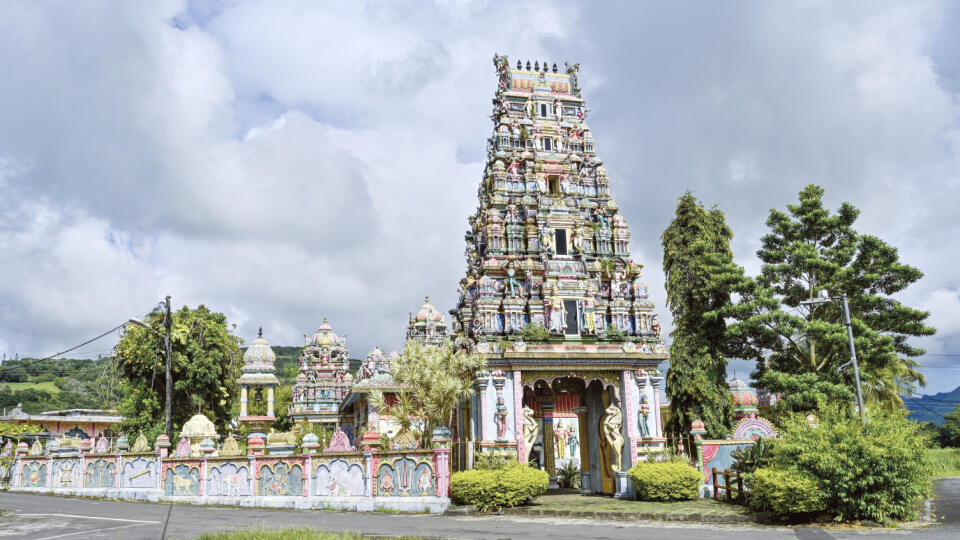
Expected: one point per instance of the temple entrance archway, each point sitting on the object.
(570, 411)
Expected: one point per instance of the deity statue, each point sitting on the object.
(542, 182)
(558, 109)
(655, 325)
(577, 240)
(612, 422)
(644, 413)
(513, 285)
(602, 218)
(531, 428)
(501, 419)
(589, 305)
(616, 283)
(546, 239)
(557, 312)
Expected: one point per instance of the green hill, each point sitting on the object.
(932, 408)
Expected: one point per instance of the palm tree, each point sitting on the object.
(438, 377)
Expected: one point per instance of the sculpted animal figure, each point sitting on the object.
(531, 428)
(182, 484)
(612, 422)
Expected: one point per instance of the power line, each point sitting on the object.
(924, 406)
(108, 332)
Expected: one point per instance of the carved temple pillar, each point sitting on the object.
(658, 420)
(549, 460)
(270, 401)
(481, 386)
(585, 488)
(623, 489)
(243, 401)
(522, 450)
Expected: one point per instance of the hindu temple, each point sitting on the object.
(551, 295)
(323, 380)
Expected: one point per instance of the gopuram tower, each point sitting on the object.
(552, 297)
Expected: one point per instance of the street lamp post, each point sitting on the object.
(824, 298)
(167, 325)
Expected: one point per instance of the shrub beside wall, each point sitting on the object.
(511, 485)
(665, 481)
(785, 492)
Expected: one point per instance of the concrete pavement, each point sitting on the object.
(49, 517)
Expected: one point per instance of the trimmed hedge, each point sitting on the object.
(665, 481)
(511, 485)
(786, 492)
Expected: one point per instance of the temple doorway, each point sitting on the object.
(570, 414)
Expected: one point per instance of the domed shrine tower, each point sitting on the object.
(551, 295)
(259, 375)
(324, 378)
(428, 326)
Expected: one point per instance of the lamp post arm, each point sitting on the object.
(853, 356)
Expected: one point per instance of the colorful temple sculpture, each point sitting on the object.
(357, 409)
(429, 326)
(324, 379)
(259, 377)
(551, 296)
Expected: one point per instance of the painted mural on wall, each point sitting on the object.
(753, 429)
(140, 473)
(280, 479)
(181, 480)
(717, 454)
(100, 473)
(405, 477)
(339, 478)
(34, 474)
(66, 473)
(566, 440)
(228, 479)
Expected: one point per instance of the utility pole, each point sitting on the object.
(823, 298)
(853, 356)
(168, 324)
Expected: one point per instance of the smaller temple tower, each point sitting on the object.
(324, 378)
(429, 326)
(259, 375)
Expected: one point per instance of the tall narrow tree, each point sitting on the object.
(802, 349)
(696, 251)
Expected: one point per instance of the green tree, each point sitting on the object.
(696, 251)
(206, 363)
(950, 430)
(802, 350)
(439, 378)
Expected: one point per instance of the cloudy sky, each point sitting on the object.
(286, 161)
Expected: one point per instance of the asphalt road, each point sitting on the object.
(45, 516)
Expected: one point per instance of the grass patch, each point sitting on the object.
(46, 386)
(945, 461)
(302, 533)
(560, 500)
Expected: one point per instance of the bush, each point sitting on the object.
(665, 481)
(786, 492)
(533, 332)
(494, 460)
(512, 485)
(568, 476)
(876, 471)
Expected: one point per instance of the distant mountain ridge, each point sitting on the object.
(932, 408)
